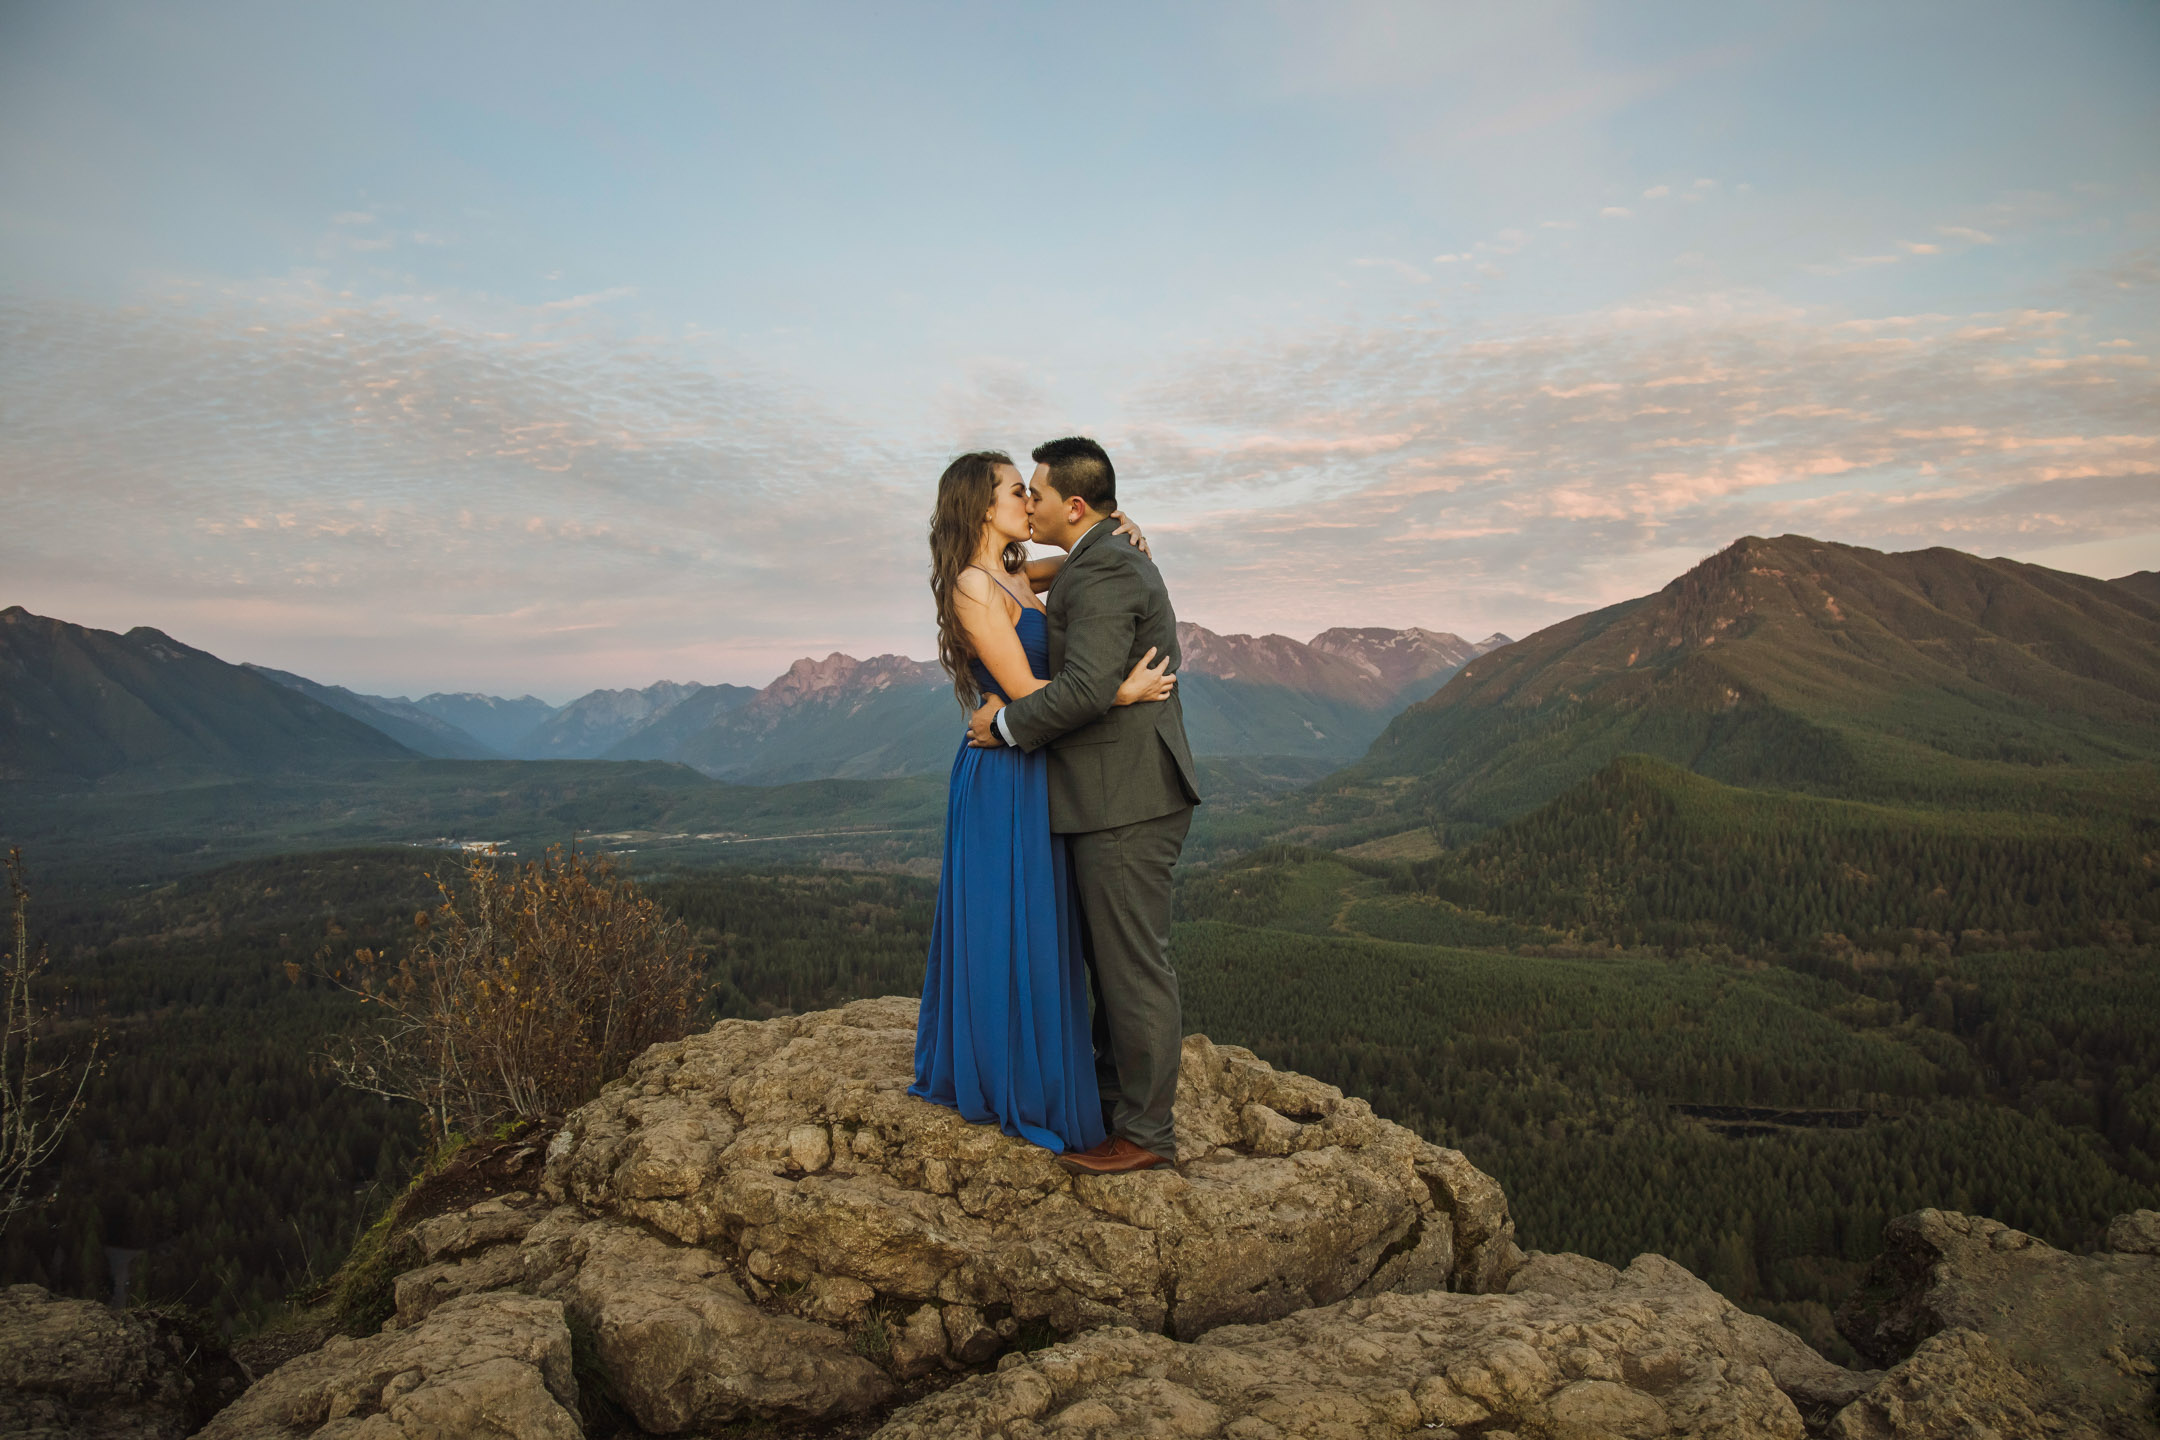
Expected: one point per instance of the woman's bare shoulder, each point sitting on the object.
(975, 583)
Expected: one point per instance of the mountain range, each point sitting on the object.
(1930, 677)
(1321, 701)
(1786, 663)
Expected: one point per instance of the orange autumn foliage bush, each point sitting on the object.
(524, 992)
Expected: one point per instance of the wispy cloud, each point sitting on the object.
(1537, 471)
(313, 476)
(597, 297)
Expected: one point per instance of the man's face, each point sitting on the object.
(1050, 517)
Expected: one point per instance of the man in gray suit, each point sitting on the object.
(1121, 792)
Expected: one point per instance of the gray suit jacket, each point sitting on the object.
(1109, 765)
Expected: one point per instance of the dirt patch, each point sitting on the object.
(478, 1172)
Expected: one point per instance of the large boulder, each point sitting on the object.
(791, 1149)
(759, 1222)
(1956, 1386)
(1978, 1318)
(77, 1369)
(681, 1345)
(481, 1367)
(1581, 1352)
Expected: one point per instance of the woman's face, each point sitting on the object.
(1008, 516)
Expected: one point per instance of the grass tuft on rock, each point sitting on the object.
(363, 1291)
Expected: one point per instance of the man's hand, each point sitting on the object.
(982, 725)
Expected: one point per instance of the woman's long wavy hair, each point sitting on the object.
(965, 493)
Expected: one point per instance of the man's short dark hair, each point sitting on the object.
(1080, 468)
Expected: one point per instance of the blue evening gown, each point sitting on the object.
(1004, 1036)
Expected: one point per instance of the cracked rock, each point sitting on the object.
(1654, 1352)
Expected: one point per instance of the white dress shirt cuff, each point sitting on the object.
(999, 721)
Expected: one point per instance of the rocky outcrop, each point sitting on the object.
(1997, 1324)
(792, 1148)
(759, 1222)
(74, 1368)
(481, 1366)
(1577, 1350)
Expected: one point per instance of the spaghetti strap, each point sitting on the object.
(1006, 588)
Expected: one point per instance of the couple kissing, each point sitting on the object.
(1049, 1007)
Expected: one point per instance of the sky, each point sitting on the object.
(541, 348)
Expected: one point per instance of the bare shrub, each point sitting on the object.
(36, 1105)
(525, 992)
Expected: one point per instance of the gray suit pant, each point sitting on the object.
(1124, 881)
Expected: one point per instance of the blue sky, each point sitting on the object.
(538, 347)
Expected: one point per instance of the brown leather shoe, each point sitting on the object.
(1116, 1156)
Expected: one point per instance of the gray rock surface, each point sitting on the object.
(2137, 1233)
(479, 1367)
(1983, 1309)
(681, 1344)
(683, 1348)
(1645, 1351)
(74, 1368)
(1956, 1386)
(791, 1147)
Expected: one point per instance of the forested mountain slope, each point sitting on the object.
(1645, 853)
(1931, 677)
(78, 703)
(416, 729)
(1672, 1055)
(2145, 584)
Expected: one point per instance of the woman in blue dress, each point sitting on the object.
(1003, 1036)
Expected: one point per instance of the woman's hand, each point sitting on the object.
(1127, 528)
(1147, 682)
